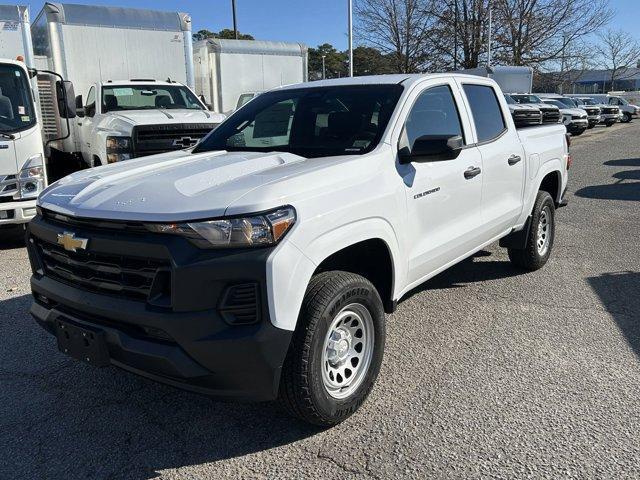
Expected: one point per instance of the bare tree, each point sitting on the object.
(460, 34)
(400, 28)
(617, 52)
(532, 32)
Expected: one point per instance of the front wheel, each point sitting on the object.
(336, 351)
(540, 238)
(626, 118)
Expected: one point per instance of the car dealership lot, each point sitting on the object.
(488, 372)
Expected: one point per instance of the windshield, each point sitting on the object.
(310, 122)
(568, 102)
(555, 102)
(588, 101)
(509, 100)
(148, 97)
(526, 99)
(16, 105)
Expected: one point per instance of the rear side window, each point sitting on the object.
(433, 113)
(487, 115)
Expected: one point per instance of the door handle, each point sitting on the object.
(513, 159)
(471, 172)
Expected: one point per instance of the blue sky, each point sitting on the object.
(309, 22)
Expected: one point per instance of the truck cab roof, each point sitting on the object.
(137, 81)
(404, 79)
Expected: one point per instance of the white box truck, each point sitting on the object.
(133, 70)
(228, 73)
(512, 79)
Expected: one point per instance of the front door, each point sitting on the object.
(85, 129)
(443, 197)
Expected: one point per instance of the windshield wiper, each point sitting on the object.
(8, 136)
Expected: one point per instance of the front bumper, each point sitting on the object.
(577, 125)
(608, 118)
(12, 213)
(188, 340)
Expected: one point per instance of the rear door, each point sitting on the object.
(503, 162)
(443, 204)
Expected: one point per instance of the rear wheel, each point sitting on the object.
(336, 351)
(541, 236)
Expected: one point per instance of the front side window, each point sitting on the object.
(148, 97)
(16, 105)
(435, 114)
(310, 122)
(486, 111)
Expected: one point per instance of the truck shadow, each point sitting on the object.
(11, 237)
(64, 419)
(468, 271)
(620, 294)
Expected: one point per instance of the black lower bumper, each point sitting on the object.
(192, 342)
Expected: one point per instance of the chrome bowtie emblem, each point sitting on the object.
(72, 243)
(185, 142)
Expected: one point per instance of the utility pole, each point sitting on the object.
(562, 63)
(455, 34)
(323, 71)
(350, 38)
(235, 23)
(489, 36)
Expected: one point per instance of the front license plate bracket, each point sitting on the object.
(83, 343)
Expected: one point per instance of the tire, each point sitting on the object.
(533, 256)
(610, 124)
(591, 125)
(626, 118)
(577, 133)
(310, 382)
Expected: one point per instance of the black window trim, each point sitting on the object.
(455, 104)
(503, 132)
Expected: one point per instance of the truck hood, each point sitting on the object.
(173, 186)
(573, 111)
(163, 116)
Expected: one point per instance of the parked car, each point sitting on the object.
(593, 110)
(628, 111)
(260, 263)
(121, 120)
(550, 113)
(523, 115)
(575, 119)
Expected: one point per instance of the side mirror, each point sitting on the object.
(79, 106)
(66, 99)
(432, 148)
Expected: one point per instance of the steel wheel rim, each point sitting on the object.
(347, 350)
(543, 238)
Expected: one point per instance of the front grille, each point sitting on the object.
(578, 117)
(152, 139)
(525, 119)
(131, 277)
(610, 110)
(550, 116)
(65, 221)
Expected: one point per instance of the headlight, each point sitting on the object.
(248, 231)
(118, 149)
(118, 144)
(31, 177)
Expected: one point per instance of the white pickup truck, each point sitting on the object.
(119, 120)
(260, 264)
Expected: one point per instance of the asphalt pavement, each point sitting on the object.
(489, 372)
